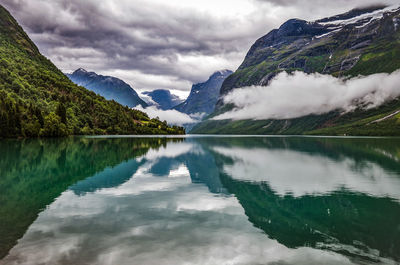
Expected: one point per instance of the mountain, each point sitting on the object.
(363, 41)
(163, 98)
(203, 96)
(37, 99)
(109, 87)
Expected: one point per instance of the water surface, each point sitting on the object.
(200, 200)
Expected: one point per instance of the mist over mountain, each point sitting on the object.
(163, 98)
(363, 41)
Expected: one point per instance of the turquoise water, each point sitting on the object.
(200, 200)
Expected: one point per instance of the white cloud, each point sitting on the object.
(146, 98)
(300, 94)
(171, 116)
(182, 94)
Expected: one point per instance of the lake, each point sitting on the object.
(200, 200)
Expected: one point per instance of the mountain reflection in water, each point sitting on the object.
(201, 200)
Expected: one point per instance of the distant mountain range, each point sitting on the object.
(109, 87)
(204, 96)
(163, 99)
(363, 41)
(201, 100)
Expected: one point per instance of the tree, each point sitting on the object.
(53, 126)
(62, 112)
(31, 128)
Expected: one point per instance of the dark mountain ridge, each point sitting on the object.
(203, 96)
(110, 87)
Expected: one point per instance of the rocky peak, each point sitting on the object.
(298, 27)
(221, 74)
(203, 96)
(80, 71)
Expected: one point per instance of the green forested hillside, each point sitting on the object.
(37, 99)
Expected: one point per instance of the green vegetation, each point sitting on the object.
(37, 99)
(383, 57)
(288, 127)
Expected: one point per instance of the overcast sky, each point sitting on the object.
(160, 43)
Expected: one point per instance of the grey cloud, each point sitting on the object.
(144, 39)
(174, 41)
(341, 4)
